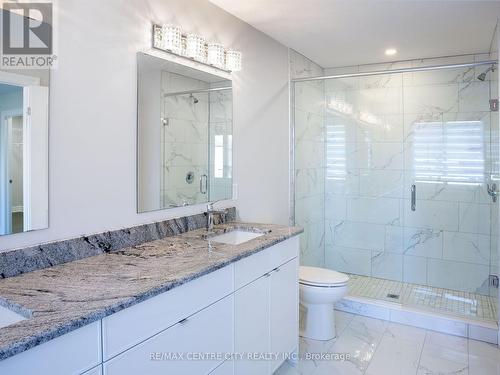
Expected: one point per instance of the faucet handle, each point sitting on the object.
(210, 205)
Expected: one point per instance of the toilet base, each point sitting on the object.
(319, 322)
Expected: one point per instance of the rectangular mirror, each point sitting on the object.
(184, 139)
(24, 113)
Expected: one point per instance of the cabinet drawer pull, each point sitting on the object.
(267, 274)
(183, 321)
(277, 269)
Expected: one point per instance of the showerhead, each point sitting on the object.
(482, 76)
(195, 100)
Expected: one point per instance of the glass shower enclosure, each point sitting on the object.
(395, 181)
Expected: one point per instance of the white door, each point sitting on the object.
(35, 170)
(284, 310)
(5, 194)
(251, 312)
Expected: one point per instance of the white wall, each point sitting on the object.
(93, 115)
(148, 164)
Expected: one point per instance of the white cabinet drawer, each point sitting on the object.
(141, 321)
(70, 354)
(256, 265)
(209, 331)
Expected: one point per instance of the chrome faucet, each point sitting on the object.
(210, 215)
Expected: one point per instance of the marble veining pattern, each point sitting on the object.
(65, 297)
(306, 155)
(18, 261)
(383, 134)
(378, 347)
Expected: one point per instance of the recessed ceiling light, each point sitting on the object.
(391, 51)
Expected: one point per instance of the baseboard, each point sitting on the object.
(478, 330)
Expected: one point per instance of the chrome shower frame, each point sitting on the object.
(349, 75)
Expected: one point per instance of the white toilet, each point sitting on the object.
(319, 289)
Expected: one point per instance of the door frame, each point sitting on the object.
(5, 193)
(21, 81)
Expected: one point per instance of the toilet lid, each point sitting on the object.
(321, 276)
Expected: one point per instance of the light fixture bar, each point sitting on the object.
(193, 47)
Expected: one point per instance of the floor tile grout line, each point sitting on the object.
(421, 352)
(468, 351)
(376, 348)
(433, 298)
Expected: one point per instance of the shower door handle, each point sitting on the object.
(413, 197)
(203, 184)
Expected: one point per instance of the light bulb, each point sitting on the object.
(391, 51)
(195, 47)
(216, 55)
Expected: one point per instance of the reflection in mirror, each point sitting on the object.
(24, 101)
(184, 135)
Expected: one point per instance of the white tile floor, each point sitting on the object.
(443, 301)
(378, 347)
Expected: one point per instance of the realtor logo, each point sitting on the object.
(27, 35)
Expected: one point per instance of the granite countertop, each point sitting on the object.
(62, 298)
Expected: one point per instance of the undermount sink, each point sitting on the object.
(8, 317)
(235, 237)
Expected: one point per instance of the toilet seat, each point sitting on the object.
(322, 277)
(322, 285)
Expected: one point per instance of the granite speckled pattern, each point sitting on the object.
(65, 297)
(18, 261)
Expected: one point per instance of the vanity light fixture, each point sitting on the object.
(216, 55)
(233, 60)
(391, 51)
(196, 47)
(170, 38)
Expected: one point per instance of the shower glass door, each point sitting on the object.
(449, 164)
(364, 185)
(367, 147)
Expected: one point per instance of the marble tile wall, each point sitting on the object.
(184, 140)
(309, 161)
(384, 133)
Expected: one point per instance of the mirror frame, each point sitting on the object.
(182, 62)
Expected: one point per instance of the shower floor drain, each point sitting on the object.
(393, 296)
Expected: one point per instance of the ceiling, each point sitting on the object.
(350, 32)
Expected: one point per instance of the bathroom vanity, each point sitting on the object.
(185, 304)
(167, 297)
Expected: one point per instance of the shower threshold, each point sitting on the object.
(461, 313)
